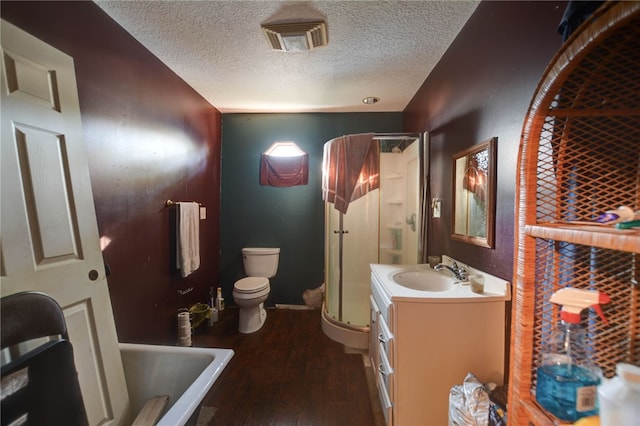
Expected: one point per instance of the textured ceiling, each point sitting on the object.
(384, 49)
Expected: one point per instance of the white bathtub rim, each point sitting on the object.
(185, 406)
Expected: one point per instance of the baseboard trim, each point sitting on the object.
(295, 307)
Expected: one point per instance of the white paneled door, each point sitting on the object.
(49, 236)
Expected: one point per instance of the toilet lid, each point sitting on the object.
(251, 284)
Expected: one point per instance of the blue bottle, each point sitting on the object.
(567, 380)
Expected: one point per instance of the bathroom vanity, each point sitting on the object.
(427, 332)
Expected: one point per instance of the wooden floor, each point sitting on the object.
(287, 373)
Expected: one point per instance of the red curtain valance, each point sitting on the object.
(351, 168)
(284, 171)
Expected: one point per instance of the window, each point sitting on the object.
(284, 164)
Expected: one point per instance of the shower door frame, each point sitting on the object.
(423, 206)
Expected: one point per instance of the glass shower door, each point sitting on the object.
(352, 245)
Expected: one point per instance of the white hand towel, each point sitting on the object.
(188, 237)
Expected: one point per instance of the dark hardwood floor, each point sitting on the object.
(287, 373)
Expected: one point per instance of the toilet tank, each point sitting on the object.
(260, 261)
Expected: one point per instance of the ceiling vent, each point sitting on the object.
(296, 36)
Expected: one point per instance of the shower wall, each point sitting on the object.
(400, 206)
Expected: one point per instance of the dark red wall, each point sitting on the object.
(149, 137)
(481, 88)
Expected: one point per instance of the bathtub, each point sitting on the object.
(185, 374)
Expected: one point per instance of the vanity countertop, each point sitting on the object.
(495, 289)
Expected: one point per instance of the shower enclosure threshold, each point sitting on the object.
(350, 336)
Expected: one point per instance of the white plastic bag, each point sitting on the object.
(469, 403)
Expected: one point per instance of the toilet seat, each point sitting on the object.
(250, 285)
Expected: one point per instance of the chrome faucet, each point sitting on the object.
(459, 272)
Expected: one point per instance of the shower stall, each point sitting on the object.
(375, 192)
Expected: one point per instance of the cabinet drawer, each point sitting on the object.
(375, 311)
(381, 299)
(385, 372)
(385, 338)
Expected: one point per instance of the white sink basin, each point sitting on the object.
(404, 282)
(423, 280)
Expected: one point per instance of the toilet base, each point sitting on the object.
(251, 318)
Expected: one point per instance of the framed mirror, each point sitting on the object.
(474, 194)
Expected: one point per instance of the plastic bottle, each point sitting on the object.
(567, 380)
(619, 397)
(212, 302)
(219, 300)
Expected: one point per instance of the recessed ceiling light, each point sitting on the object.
(370, 100)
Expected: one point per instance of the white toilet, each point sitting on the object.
(249, 293)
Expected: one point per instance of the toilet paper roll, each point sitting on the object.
(184, 320)
(184, 328)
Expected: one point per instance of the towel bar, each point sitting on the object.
(171, 203)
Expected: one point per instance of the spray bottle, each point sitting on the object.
(567, 379)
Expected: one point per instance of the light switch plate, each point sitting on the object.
(203, 213)
(437, 204)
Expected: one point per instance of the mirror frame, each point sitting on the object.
(458, 191)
